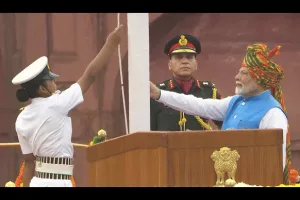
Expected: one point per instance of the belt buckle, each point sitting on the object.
(40, 163)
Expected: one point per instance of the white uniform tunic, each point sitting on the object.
(44, 127)
(215, 109)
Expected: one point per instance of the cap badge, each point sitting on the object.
(183, 41)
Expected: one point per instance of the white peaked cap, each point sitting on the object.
(32, 71)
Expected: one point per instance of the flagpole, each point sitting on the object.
(138, 72)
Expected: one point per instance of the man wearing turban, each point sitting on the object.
(258, 103)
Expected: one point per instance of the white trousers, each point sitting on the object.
(43, 182)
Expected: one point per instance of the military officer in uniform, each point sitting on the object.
(182, 51)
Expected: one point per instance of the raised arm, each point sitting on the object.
(101, 59)
(214, 109)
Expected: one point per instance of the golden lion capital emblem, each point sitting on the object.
(225, 163)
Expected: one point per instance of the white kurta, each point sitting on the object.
(215, 109)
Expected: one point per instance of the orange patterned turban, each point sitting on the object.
(263, 70)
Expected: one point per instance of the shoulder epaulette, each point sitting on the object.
(210, 86)
(207, 84)
(163, 85)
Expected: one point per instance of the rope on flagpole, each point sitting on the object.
(122, 85)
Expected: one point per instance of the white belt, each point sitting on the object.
(54, 168)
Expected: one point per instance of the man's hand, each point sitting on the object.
(154, 91)
(114, 37)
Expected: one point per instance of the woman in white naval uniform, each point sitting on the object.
(44, 129)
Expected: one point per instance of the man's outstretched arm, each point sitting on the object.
(213, 109)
